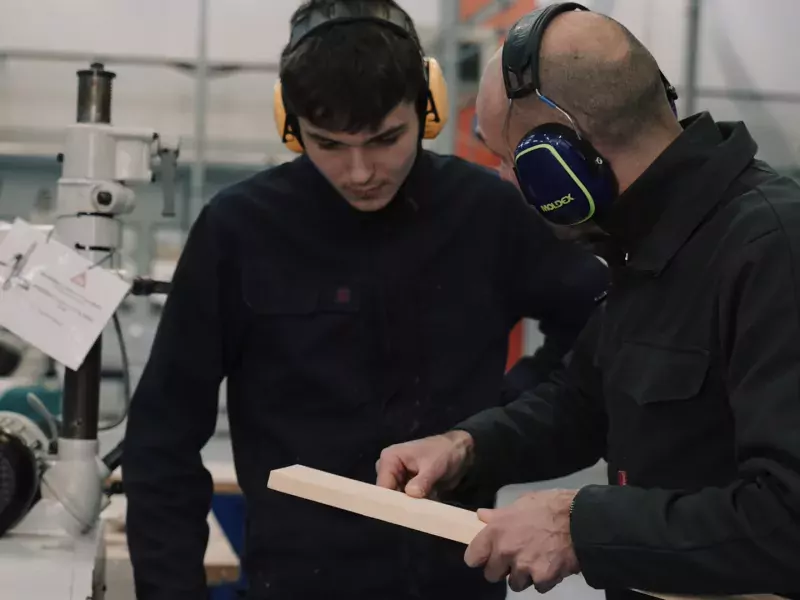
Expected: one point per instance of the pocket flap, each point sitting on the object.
(650, 373)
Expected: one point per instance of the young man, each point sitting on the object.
(358, 296)
(687, 380)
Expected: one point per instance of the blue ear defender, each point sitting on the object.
(562, 176)
(560, 173)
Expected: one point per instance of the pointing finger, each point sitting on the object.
(388, 476)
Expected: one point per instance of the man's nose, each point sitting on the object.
(361, 169)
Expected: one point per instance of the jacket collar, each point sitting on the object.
(653, 219)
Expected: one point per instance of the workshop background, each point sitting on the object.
(203, 70)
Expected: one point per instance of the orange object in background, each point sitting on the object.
(504, 18)
(467, 146)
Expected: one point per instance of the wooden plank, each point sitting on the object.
(423, 515)
(221, 561)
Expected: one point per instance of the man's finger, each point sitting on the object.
(497, 566)
(479, 549)
(519, 580)
(544, 579)
(545, 587)
(388, 470)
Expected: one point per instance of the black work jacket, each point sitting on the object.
(339, 333)
(687, 382)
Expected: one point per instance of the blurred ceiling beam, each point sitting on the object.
(181, 64)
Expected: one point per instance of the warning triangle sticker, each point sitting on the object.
(80, 279)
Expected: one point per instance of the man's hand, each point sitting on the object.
(529, 541)
(423, 466)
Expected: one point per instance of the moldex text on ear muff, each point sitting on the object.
(436, 101)
(560, 203)
(561, 174)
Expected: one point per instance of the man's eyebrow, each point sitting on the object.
(392, 131)
(320, 138)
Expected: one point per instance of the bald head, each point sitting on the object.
(596, 70)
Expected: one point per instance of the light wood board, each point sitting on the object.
(379, 503)
(423, 515)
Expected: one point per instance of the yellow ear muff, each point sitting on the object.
(279, 110)
(438, 110)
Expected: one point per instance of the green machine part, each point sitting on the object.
(16, 400)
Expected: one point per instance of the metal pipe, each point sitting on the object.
(94, 94)
(689, 95)
(450, 17)
(81, 405)
(200, 109)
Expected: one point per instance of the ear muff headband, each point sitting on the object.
(561, 174)
(437, 106)
(523, 45)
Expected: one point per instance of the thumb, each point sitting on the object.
(486, 514)
(420, 486)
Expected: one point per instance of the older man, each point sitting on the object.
(687, 382)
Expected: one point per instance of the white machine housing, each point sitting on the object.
(100, 163)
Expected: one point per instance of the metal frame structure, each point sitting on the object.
(453, 30)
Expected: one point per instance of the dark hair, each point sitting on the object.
(350, 75)
(614, 101)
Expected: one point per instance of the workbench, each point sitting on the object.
(76, 568)
(223, 571)
(38, 560)
(221, 562)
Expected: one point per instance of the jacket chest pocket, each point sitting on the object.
(655, 407)
(307, 345)
(670, 424)
(646, 374)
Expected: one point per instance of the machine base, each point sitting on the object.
(38, 560)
